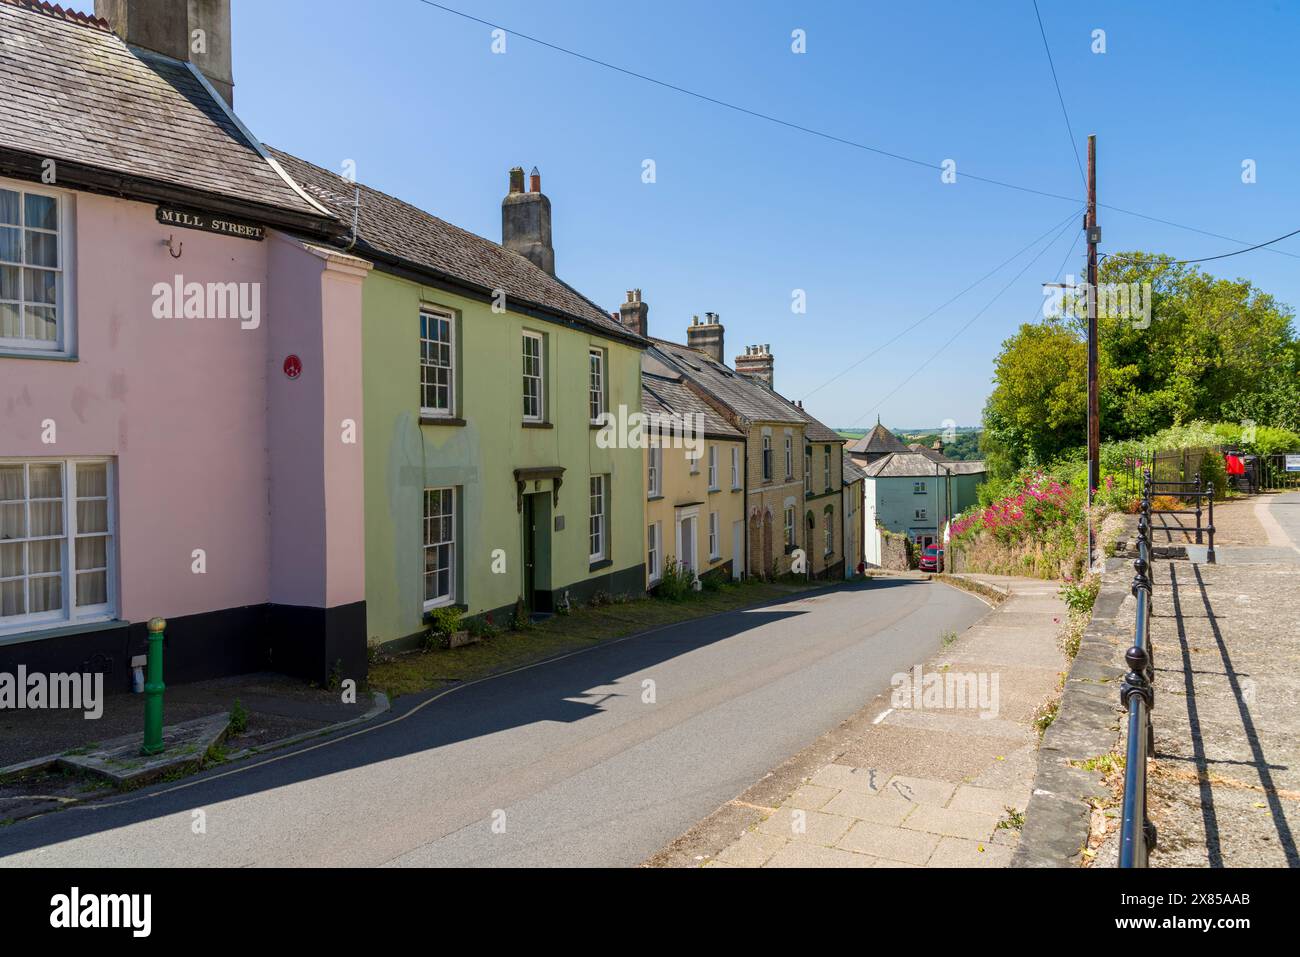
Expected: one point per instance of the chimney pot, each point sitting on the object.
(707, 337)
(526, 221)
(535, 181)
(758, 363)
(635, 314)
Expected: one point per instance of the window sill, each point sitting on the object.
(596, 426)
(431, 608)
(654, 498)
(59, 629)
(447, 420)
(599, 564)
(537, 425)
(37, 354)
(434, 606)
(713, 489)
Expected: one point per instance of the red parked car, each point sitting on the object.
(932, 558)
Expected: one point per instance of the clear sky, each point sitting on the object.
(744, 211)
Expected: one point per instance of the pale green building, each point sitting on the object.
(483, 378)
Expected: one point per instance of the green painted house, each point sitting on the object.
(483, 377)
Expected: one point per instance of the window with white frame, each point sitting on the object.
(789, 457)
(534, 377)
(918, 488)
(767, 458)
(715, 536)
(826, 468)
(57, 552)
(439, 547)
(437, 363)
(830, 533)
(597, 522)
(654, 472)
(789, 526)
(713, 468)
(596, 383)
(653, 551)
(32, 287)
(920, 515)
(807, 471)
(735, 466)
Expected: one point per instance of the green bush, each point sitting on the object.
(1081, 595)
(238, 718)
(677, 583)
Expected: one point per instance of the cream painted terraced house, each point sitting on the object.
(695, 503)
(774, 462)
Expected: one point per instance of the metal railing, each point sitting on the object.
(1137, 694)
(1199, 490)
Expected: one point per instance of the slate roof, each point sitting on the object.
(71, 90)
(928, 452)
(748, 398)
(877, 441)
(909, 464)
(666, 396)
(852, 473)
(814, 430)
(406, 234)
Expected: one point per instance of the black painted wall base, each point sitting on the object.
(309, 643)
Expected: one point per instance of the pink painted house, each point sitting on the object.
(180, 371)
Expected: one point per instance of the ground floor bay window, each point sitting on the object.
(57, 543)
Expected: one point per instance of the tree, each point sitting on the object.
(1210, 344)
(1213, 349)
(1039, 403)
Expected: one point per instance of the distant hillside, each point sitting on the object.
(964, 448)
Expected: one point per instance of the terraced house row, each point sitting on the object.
(295, 415)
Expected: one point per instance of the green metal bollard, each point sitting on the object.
(153, 690)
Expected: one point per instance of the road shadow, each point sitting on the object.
(560, 689)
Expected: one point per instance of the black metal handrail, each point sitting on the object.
(1137, 694)
(1198, 489)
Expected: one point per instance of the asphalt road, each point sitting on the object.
(570, 762)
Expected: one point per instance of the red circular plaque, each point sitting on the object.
(293, 367)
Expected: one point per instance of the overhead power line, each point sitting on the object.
(970, 322)
(931, 314)
(743, 109)
(1069, 128)
(821, 133)
(1204, 259)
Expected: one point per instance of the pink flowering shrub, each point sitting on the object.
(1039, 530)
(1042, 505)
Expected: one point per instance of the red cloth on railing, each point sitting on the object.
(1235, 465)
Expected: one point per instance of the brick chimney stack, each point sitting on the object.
(526, 221)
(758, 363)
(194, 30)
(707, 336)
(635, 314)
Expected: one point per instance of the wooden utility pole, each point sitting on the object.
(1094, 419)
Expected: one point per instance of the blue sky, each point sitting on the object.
(744, 211)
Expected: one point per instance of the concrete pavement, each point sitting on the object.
(1224, 783)
(597, 758)
(916, 779)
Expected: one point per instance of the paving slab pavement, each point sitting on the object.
(929, 786)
